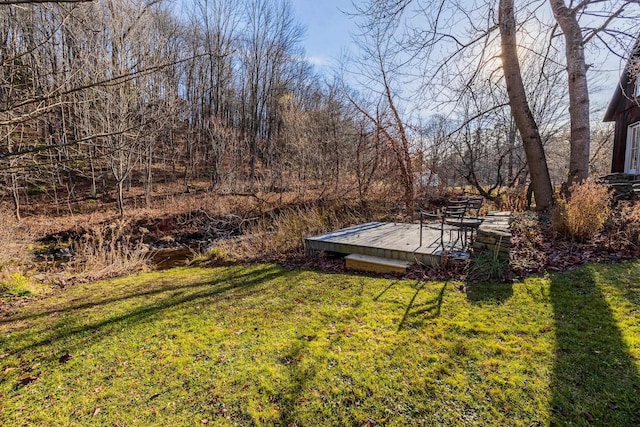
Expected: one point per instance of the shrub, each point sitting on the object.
(513, 199)
(16, 284)
(488, 266)
(215, 255)
(284, 232)
(107, 252)
(584, 213)
(624, 226)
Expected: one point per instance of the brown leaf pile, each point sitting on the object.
(536, 249)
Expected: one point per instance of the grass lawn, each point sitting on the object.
(260, 345)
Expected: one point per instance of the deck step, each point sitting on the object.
(375, 264)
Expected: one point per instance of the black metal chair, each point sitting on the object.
(461, 218)
(473, 220)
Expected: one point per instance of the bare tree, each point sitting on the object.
(540, 180)
(378, 65)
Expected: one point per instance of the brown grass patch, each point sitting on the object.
(584, 214)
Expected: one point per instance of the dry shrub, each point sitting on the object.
(512, 199)
(107, 251)
(624, 227)
(584, 214)
(17, 284)
(285, 232)
(15, 254)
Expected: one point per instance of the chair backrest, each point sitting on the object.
(455, 209)
(474, 204)
(463, 207)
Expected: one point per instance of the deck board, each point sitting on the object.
(389, 240)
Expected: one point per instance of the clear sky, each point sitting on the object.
(328, 28)
(328, 34)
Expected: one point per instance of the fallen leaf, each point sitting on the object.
(96, 412)
(28, 379)
(65, 358)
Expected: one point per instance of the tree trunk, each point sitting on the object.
(15, 192)
(93, 192)
(578, 91)
(148, 186)
(120, 196)
(540, 179)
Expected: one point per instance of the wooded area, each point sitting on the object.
(100, 97)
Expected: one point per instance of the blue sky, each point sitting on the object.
(328, 29)
(328, 34)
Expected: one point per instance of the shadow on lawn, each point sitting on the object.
(121, 296)
(489, 292)
(427, 310)
(594, 380)
(300, 375)
(177, 295)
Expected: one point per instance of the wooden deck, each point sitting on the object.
(389, 240)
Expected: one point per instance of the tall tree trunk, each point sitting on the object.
(120, 196)
(578, 91)
(540, 179)
(148, 186)
(93, 192)
(15, 192)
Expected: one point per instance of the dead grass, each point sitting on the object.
(15, 254)
(512, 199)
(584, 214)
(284, 232)
(107, 251)
(623, 226)
(105, 246)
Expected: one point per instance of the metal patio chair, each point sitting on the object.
(461, 219)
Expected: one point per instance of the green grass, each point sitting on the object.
(260, 345)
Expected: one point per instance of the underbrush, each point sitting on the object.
(513, 200)
(16, 269)
(220, 229)
(283, 232)
(584, 213)
(106, 251)
(624, 225)
(538, 246)
(78, 248)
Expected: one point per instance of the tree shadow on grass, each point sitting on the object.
(385, 290)
(122, 296)
(594, 380)
(430, 309)
(489, 292)
(300, 374)
(28, 340)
